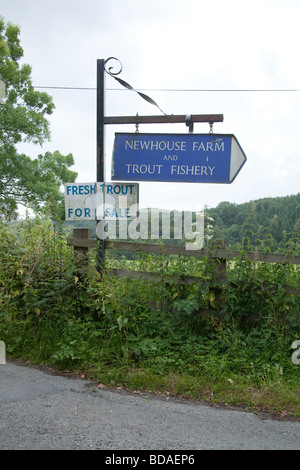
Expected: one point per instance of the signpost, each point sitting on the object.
(191, 158)
(101, 201)
(197, 158)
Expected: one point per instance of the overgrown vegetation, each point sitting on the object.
(147, 335)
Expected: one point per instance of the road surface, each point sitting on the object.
(43, 411)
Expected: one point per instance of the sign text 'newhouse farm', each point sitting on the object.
(194, 158)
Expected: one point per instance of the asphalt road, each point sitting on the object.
(43, 411)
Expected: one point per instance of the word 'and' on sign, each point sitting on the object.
(193, 158)
(97, 201)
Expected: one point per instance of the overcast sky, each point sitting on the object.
(173, 45)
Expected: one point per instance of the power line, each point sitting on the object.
(177, 90)
(208, 90)
(65, 88)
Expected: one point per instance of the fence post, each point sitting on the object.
(220, 274)
(81, 251)
(220, 263)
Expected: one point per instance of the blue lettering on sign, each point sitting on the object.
(98, 200)
(118, 213)
(74, 190)
(204, 158)
(85, 212)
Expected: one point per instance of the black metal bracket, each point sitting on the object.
(189, 123)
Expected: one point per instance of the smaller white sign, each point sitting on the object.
(98, 201)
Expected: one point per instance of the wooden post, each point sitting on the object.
(81, 251)
(220, 263)
(220, 274)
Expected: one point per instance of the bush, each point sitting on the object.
(53, 314)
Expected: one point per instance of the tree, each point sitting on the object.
(34, 183)
(227, 212)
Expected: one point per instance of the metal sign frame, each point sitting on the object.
(103, 68)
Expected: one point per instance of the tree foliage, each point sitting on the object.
(34, 183)
(269, 219)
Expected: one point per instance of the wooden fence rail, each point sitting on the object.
(81, 243)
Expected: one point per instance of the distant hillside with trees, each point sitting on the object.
(268, 217)
(262, 222)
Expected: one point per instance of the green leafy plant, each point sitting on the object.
(187, 339)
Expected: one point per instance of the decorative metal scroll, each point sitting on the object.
(125, 84)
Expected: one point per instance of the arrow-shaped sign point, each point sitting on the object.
(237, 160)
